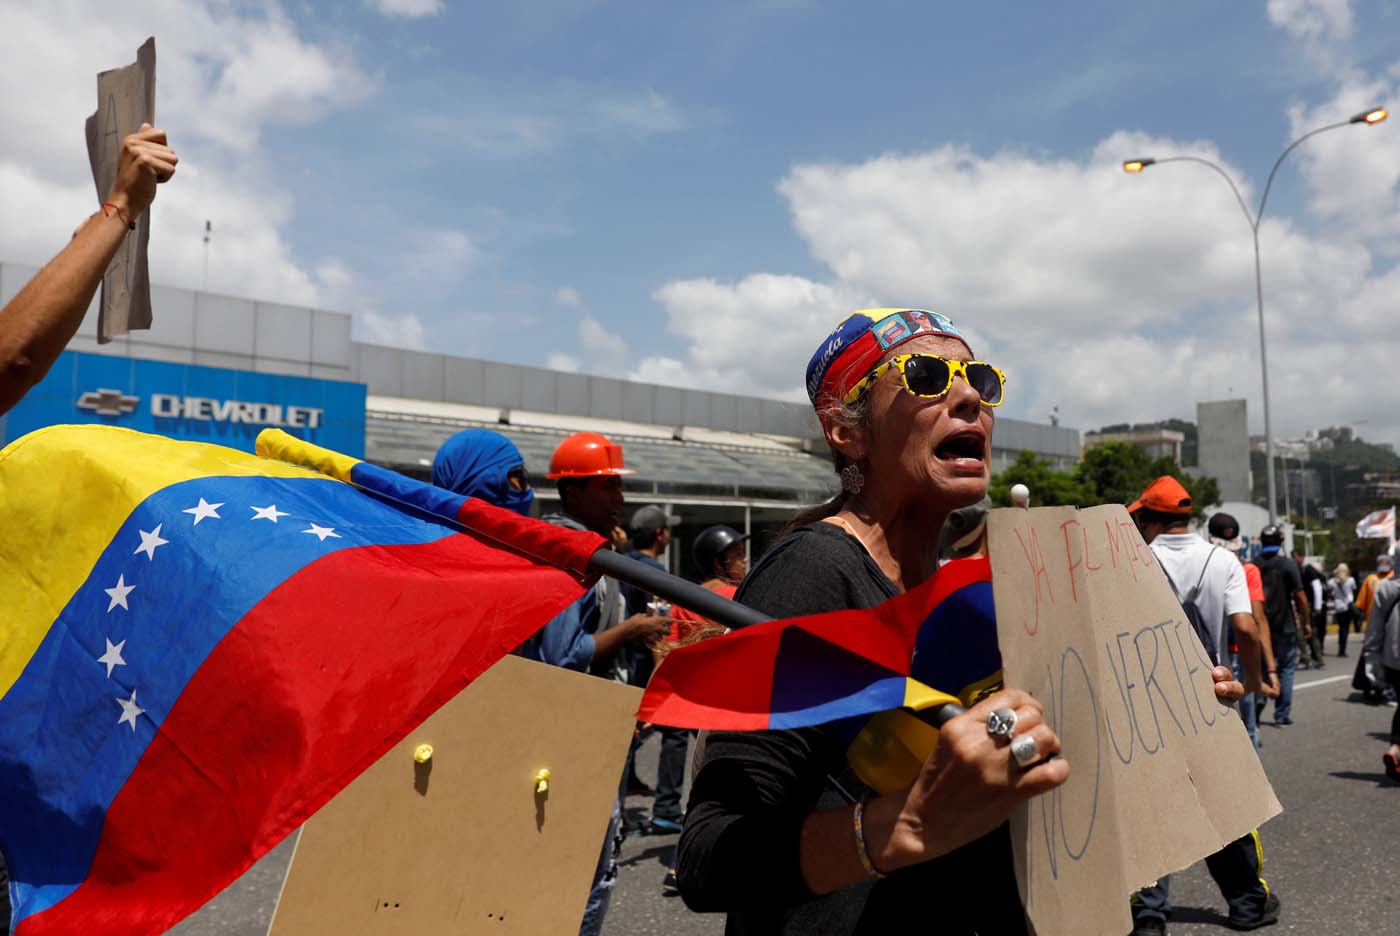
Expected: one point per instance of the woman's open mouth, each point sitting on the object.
(963, 450)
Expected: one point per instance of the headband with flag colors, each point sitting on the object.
(202, 647)
(861, 340)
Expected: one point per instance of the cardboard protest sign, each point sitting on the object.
(464, 843)
(1162, 774)
(126, 98)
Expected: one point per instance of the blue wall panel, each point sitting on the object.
(186, 401)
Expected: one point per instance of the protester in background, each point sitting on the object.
(483, 463)
(1314, 587)
(1366, 595)
(1199, 572)
(1342, 590)
(1224, 531)
(1286, 606)
(589, 634)
(650, 529)
(41, 319)
(720, 555)
(1382, 654)
(1368, 679)
(780, 833)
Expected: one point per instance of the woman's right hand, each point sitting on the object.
(969, 785)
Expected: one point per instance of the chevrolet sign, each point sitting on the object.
(170, 406)
(106, 402)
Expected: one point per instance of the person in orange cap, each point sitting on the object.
(1213, 579)
(591, 634)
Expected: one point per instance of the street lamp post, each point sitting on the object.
(1369, 117)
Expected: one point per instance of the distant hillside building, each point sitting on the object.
(1154, 440)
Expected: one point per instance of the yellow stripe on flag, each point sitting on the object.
(918, 697)
(65, 491)
(283, 446)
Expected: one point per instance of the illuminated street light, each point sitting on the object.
(1134, 166)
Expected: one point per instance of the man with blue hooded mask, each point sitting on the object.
(484, 464)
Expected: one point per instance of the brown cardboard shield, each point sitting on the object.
(1162, 774)
(464, 843)
(126, 98)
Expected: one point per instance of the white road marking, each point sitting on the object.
(1320, 682)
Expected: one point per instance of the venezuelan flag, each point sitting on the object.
(856, 668)
(200, 647)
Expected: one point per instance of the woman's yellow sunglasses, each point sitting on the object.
(930, 376)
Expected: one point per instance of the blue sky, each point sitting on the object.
(556, 194)
(694, 193)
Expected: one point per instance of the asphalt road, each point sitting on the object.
(1331, 856)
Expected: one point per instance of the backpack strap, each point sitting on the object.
(1195, 592)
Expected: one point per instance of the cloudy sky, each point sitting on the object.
(694, 193)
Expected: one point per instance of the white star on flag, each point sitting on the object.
(270, 512)
(204, 510)
(321, 532)
(118, 593)
(130, 711)
(113, 657)
(150, 542)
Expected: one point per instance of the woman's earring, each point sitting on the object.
(851, 479)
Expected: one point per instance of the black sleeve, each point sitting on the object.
(740, 844)
(811, 571)
(1295, 578)
(739, 848)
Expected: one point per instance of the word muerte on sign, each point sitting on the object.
(1162, 774)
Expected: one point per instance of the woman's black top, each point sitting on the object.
(739, 851)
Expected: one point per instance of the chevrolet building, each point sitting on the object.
(220, 369)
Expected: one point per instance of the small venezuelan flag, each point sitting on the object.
(842, 665)
(200, 647)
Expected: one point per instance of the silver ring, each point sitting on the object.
(1001, 723)
(1025, 750)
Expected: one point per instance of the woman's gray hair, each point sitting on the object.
(849, 416)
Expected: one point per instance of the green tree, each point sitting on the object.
(1116, 473)
(1109, 473)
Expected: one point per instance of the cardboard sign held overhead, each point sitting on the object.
(126, 98)
(1162, 774)
(464, 842)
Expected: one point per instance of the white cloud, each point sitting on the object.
(568, 296)
(399, 331)
(408, 9)
(594, 350)
(646, 114)
(563, 362)
(604, 351)
(1111, 296)
(1320, 24)
(492, 121)
(753, 336)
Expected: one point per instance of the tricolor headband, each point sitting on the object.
(858, 343)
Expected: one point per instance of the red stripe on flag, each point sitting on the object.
(316, 682)
(727, 683)
(567, 549)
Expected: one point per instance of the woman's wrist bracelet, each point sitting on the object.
(858, 821)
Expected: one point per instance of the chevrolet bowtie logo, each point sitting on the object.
(106, 402)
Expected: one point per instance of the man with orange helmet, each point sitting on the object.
(588, 469)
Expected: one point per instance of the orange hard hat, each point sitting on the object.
(586, 455)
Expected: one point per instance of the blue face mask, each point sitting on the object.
(477, 463)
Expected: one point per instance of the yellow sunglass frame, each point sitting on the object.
(955, 368)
